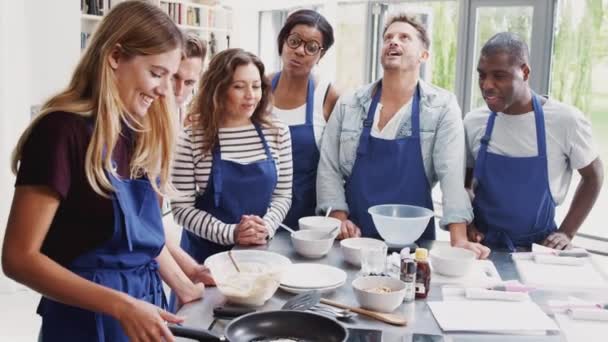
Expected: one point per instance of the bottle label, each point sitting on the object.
(420, 288)
(410, 292)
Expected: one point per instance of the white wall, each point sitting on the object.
(38, 51)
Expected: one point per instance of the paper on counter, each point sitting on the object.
(491, 317)
(578, 330)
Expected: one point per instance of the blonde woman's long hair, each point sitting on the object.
(210, 102)
(138, 29)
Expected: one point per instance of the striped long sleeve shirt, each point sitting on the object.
(192, 167)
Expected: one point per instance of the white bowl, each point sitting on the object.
(351, 248)
(452, 261)
(321, 223)
(312, 243)
(259, 279)
(368, 298)
(400, 224)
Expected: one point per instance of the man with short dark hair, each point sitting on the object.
(391, 141)
(521, 151)
(189, 72)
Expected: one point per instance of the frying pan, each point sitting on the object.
(267, 326)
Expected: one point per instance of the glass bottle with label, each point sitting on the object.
(423, 273)
(408, 275)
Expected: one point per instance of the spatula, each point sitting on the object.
(303, 301)
(381, 316)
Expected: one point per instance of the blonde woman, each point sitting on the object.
(85, 228)
(233, 166)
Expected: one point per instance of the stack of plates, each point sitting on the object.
(299, 278)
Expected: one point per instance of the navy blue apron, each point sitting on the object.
(513, 205)
(388, 172)
(126, 263)
(233, 190)
(305, 156)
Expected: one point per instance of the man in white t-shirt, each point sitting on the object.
(521, 150)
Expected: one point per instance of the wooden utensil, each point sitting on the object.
(381, 316)
(234, 261)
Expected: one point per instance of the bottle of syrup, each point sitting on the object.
(423, 273)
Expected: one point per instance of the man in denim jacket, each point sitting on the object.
(392, 141)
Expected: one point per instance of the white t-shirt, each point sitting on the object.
(390, 130)
(568, 135)
(297, 116)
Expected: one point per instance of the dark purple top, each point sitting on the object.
(54, 156)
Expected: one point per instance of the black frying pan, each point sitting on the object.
(267, 326)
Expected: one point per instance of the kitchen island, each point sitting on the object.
(420, 318)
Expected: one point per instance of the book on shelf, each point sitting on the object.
(84, 39)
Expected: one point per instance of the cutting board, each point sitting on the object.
(561, 277)
(483, 273)
(491, 317)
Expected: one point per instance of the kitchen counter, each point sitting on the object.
(420, 318)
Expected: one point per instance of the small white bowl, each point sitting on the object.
(366, 293)
(322, 223)
(312, 243)
(351, 248)
(452, 261)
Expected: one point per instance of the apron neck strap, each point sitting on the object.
(371, 113)
(310, 96)
(539, 119)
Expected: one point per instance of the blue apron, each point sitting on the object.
(388, 172)
(513, 205)
(233, 190)
(126, 263)
(305, 156)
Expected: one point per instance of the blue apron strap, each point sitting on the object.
(310, 101)
(484, 143)
(416, 113)
(263, 138)
(539, 117)
(216, 172)
(310, 96)
(275, 81)
(369, 121)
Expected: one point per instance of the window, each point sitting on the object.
(578, 77)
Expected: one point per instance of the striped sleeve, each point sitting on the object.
(191, 170)
(281, 197)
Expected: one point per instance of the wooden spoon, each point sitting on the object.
(381, 316)
(234, 261)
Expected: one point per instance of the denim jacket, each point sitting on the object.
(442, 140)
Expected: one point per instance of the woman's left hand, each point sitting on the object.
(201, 274)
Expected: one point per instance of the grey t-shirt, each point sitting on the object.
(568, 135)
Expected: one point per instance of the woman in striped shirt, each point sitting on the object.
(233, 167)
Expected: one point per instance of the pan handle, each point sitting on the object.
(194, 334)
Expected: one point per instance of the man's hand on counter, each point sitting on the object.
(348, 229)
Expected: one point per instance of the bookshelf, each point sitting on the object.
(206, 18)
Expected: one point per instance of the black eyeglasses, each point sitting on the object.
(311, 47)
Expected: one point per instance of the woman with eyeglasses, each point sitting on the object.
(303, 101)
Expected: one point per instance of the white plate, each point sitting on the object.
(312, 276)
(298, 290)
